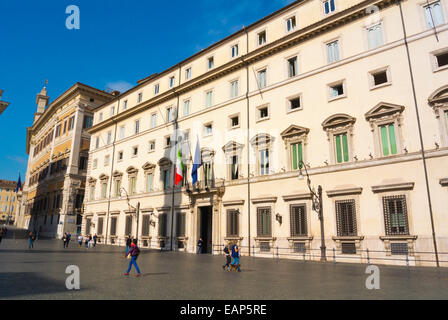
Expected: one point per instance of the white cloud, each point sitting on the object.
(121, 86)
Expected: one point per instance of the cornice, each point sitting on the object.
(301, 35)
(393, 187)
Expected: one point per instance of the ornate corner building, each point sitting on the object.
(57, 146)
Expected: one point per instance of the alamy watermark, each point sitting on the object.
(373, 280)
(73, 21)
(73, 280)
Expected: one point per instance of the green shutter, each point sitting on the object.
(338, 149)
(294, 157)
(384, 141)
(300, 152)
(393, 142)
(345, 146)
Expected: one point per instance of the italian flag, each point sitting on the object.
(179, 168)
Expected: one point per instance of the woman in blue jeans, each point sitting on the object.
(134, 251)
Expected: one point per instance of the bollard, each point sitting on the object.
(334, 255)
(368, 257)
(277, 254)
(407, 260)
(304, 257)
(253, 250)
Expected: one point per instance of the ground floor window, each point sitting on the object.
(395, 215)
(128, 226)
(180, 225)
(113, 226)
(232, 223)
(145, 225)
(264, 222)
(346, 218)
(298, 220)
(162, 224)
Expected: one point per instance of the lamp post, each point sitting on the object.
(318, 207)
(137, 209)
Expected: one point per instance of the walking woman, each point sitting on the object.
(31, 240)
(133, 252)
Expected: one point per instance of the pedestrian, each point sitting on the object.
(94, 240)
(228, 259)
(64, 239)
(69, 236)
(200, 244)
(80, 241)
(31, 239)
(128, 245)
(133, 253)
(236, 258)
(90, 241)
(86, 241)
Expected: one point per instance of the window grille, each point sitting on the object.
(180, 227)
(348, 248)
(128, 228)
(264, 222)
(299, 247)
(113, 226)
(145, 225)
(346, 218)
(298, 220)
(232, 223)
(395, 215)
(399, 248)
(265, 246)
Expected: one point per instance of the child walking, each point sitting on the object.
(134, 251)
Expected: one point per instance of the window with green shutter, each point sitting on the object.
(297, 155)
(388, 139)
(264, 222)
(149, 180)
(341, 146)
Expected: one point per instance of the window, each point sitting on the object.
(135, 151)
(298, 220)
(294, 104)
(122, 132)
(210, 62)
(186, 136)
(263, 113)
(261, 77)
(180, 224)
(375, 36)
(337, 90)
(329, 6)
(152, 146)
(58, 130)
(379, 78)
(132, 185)
(120, 155)
(188, 74)
(440, 59)
(261, 37)
(88, 122)
(172, 81)
(140, 97)
(106, 160)
(209, 98)
(97, 142)
(346, 218)
(167, 142)
(103, 190)
(113, 226)
(264, 162)
(118, 187)
(101, 117)
(395, 215)
(296, 155)
(65, 127)
(234, 51)
(341, 147)
(232, 223)
(162, 224)
(434, 14)
(208, 129)
(208, 173)
(95, 163)
(71, 123)
(234, 166)
(156, 89)
(264, 222)
(186, 108)
(388, 139)
(333, 51)
(99, 229)
(166, 178)
(145, 224)
(292, 67)
(137, 127)
(125, 104)
(290, 24)
(112, 111)
(128, 225)
(234, 121)
(109, 137)
(169, 114)
(83, 163)
(92, 192)
(233, 89)
(149, 182)
(153, 120)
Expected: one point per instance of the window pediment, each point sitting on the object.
(383, 109)
(232, 146)
(262, 139)
(207, 154)
(294, 131)
(131, 170)
(91, 180)
(117, 174)
(164, 162)
(148, 166)
(103, 177)
(338, 120)
(440, 96)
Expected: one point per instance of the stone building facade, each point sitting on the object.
(3, 104)
(8, 201)
(322, 88)
(58, 145)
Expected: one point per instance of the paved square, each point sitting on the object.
(39, 273)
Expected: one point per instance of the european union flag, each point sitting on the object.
(19, 185)
(197, 162)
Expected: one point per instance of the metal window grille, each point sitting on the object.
(180, 244)
(299, 247)
(395, 215)
(265, 246)
(264, 222)
(145, 225)
(162, 225)
(298, 220)
(346, 218)
(128, 227)
(232, 223)
(113, 226)
(399, 248)
(348, 248)
(100, 226)
(88, 226)
(180, 226)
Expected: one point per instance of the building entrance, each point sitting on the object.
(205, 228)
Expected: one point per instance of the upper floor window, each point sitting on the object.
(337, 90)
(169, 114)
(153, 120)
(156, 88)
(109, 137)
(186, 107)
(140, 97)
(339, 128)
(261, 38)
(290, 24)
(58, 130)
(375, 36)
(125, 104)
(329, 6)
(209, 98)
(88, 122)
(112, 111)
(293, 68)
(261, 78)
(97, 142)
(71, 123)
(295, 138)
(122, 132)
(439, 59)
(379, 78)
(208, 129)
(210, 62)
(172, 81)
(333, 51)
(234, 51)
(434, 14)
(100, 117)
(137, 127)
(188, 74)
(107, 160)
(233, 89)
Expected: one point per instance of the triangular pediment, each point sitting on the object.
(294, 131)
(338, 120)
(383, 109)
(232, 146)
(439, 96)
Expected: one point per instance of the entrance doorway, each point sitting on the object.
(205, 228)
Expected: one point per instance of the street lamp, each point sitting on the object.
(318, 207)
(137, 209)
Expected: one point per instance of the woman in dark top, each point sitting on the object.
(134, 251)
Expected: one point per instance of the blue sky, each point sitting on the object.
(118, 43)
